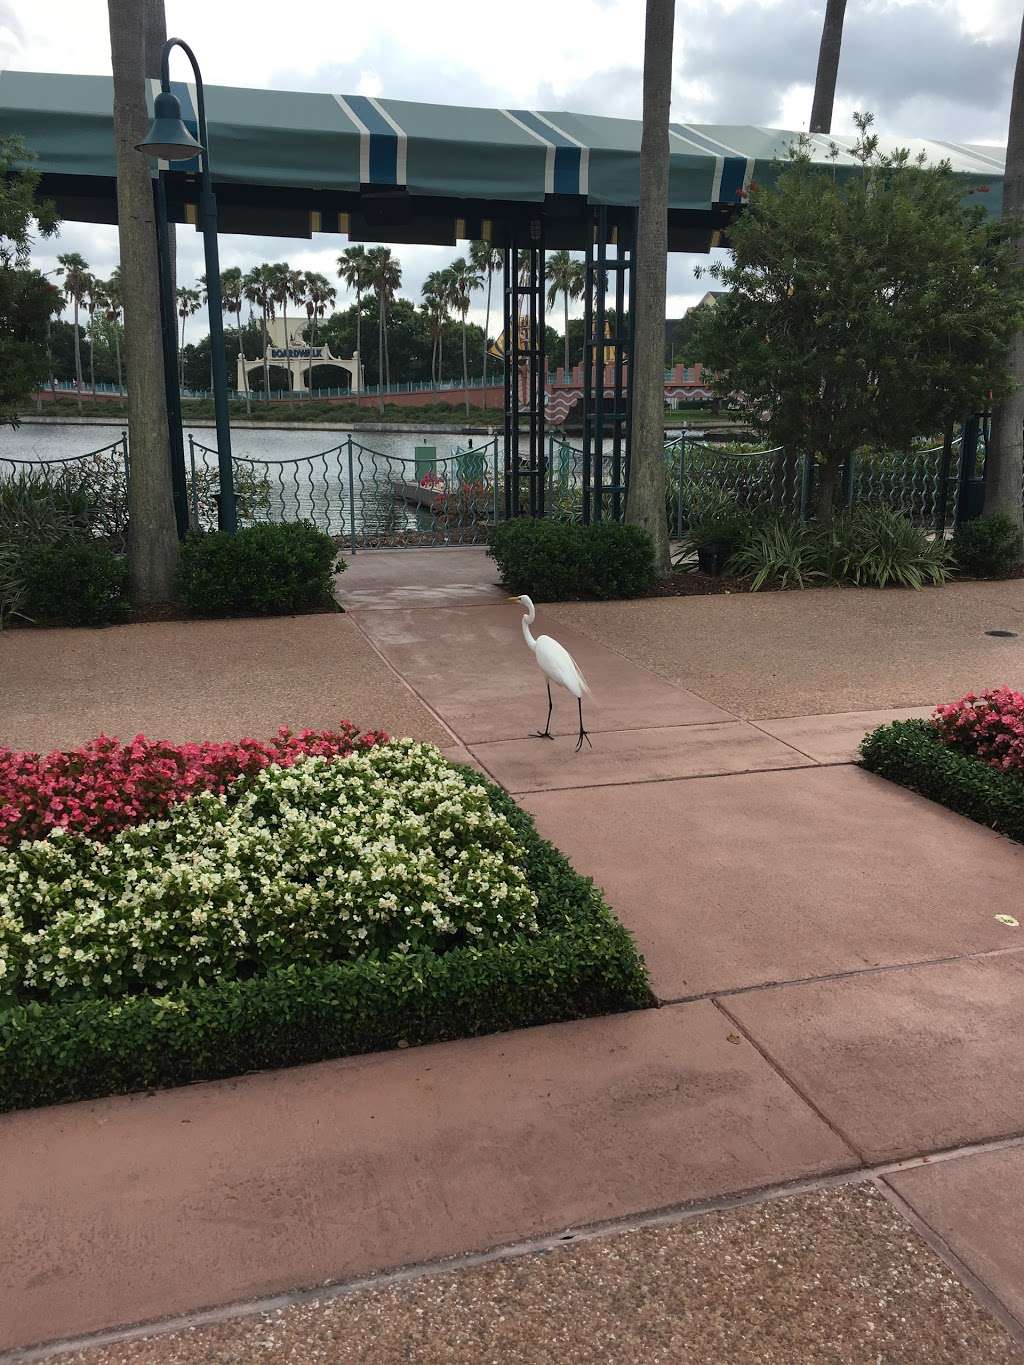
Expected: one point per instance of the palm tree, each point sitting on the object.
(828, 67)
(385, 275)
(94, 301)
(352, 270)
(114, 302)
(1005, 453)
(645, 502)
(188, 303)
(435, 306)
(487, 259)
(566, 277)
(319, 294)
(463, 282)
(257, 288)
(231, 297)
(283, 290)
(75, 271)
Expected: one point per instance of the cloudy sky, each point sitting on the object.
(927, 68)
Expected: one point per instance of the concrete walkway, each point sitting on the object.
(838, 996)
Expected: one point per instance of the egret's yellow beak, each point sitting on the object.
(511, 599)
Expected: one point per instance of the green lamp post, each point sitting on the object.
(168, 138)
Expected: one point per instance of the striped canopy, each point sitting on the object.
(289, 162)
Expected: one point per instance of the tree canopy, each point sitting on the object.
(861, 310)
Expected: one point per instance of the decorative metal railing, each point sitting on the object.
(98, 479)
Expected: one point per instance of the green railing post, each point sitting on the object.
(351, 497)
(849, 481)
(942, 492)
(124, 454)
(806, 485)
(494, 443)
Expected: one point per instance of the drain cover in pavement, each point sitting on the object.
(1003, 634)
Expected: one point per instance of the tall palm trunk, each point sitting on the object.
(359, 325)
(92, 352)
(387, 355)
(117, 352)
(465, 366)
(487, 328)
(181, 355)
(152, 537)
(828, 67)
(1003, 472)
(380, 351)
(645, 504)
(78, 358)
(266, 360)
(565, 358)
(287, 346)
(241, 352)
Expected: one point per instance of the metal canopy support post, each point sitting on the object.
(169, 340)
(606, 398)
(525, 360)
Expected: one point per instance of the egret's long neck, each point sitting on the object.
(527, 636)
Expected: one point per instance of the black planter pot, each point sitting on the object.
(712, 557)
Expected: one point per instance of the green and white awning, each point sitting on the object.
(465, 160)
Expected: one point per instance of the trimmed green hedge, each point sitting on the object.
(583, 962)
(911, 753)
(556, 561)
(266, 570)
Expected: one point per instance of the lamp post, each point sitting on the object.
(170, 139)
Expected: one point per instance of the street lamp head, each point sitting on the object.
(168, 137)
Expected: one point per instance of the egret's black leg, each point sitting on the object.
(583, 733)
(546, 732)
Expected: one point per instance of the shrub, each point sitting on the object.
(875, 547)
(35, 510)
(269, 570)
(912, 753)
(786, 554)
(989, 727)
(105, 785)
(76, 583)
(988, 547)
(581, 962)
(556, 561)
(386, 851)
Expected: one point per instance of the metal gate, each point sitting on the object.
(525, 372)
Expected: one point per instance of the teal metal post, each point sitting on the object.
(351, 498)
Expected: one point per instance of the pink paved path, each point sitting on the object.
(839, 995)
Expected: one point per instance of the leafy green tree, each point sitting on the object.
(317, 294)
(114, 308)
(565, 276)
(435, 294)
(27, 300)
(865, 308)
(188, 304)
(258, 291)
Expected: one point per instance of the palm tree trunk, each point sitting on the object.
(359, 325)
(241, 352)
(78, 359)
(828, 67)
(645, 504)
(380, 352)
(117, 352)
(266, 362)
(1003, 470)
(92, 352)
(287, 348)
(465, 366)
(565, 359)
(487, 328)
(387, 356)
(181, 355)
(152, 538)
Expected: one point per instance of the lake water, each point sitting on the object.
(378, 496)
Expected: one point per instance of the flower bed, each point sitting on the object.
(916, 754)
(336, 906)
(104, 786)
(989, 727)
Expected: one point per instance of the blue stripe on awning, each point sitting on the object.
(190, 119)
(734, 168)
(567, 154)
(383, 141)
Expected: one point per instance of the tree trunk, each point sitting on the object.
(465, 366)
(181, 355)
(826, 483)
(78, 359)
(152, 538)
(828, 67)
(241, 352)
(1003, 472)
(645, 505)
(565, 353)
(387, 356)
(287, 344)
(117, 351)
(487, 328)
(92, 352)
(380, 353)
(359, 326)
(154, 37)
(266, 362)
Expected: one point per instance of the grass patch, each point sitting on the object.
(579, 962)
(911, 753)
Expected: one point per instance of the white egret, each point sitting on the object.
(555, 661)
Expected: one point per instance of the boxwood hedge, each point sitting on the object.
(911, 753)
(583, 962)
